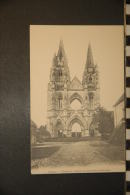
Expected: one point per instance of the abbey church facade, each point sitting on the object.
(62, 117)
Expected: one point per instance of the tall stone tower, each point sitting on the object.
(90, 82)
(57, 90)
(62, 91)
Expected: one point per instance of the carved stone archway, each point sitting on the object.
(76, 120)
(76, 96)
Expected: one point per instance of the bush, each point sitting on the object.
(118, 135)
(103, 121)
(42, 133)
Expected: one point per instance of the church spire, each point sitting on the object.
(60, 69)
(62, 59)
(54, 60)
(61, 52)
(89, 67)
(89, 61)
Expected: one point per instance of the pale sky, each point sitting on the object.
(108, 52)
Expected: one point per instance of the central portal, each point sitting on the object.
(76, 130)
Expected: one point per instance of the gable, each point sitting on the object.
(75, 84)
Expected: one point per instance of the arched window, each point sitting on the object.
(90, 79)
(59, 75)
(76, 104)
(91, 100)
(60, 98)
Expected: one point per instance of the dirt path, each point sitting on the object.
(79, 153)
(83, 153)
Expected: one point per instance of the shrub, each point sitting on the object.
(118, 135)
(103, 121)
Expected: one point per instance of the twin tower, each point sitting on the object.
(71, 103)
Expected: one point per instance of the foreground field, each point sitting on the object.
(79, 156)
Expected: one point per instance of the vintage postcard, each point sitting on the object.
(77, 99)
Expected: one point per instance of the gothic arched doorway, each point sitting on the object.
(76, 130)
(76, 127)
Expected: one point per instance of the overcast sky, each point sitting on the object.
(108, 53)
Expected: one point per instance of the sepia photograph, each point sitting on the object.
(77, 109)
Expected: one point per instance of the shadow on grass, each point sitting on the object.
(111, 151)
(39, 153)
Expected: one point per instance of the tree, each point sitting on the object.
(118, 135)
(43, 133)
(103, 121)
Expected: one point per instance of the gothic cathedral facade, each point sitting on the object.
(62, 92)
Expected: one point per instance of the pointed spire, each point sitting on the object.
(54, 60)
(90, 61)
(61, 51)
(89, 64)
(61, 43)
(59, 62)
